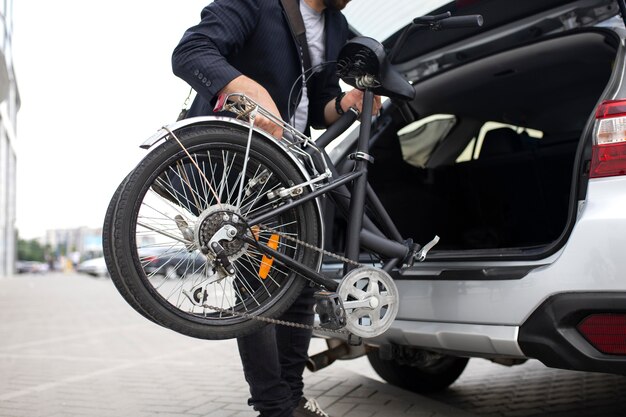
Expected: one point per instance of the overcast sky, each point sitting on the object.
(95, 81)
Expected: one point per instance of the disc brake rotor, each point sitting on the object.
(370, 299)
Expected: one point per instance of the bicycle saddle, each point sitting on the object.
(363, 64)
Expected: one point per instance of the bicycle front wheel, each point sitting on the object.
(190, 193)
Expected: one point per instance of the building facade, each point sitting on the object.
(77, 244)
(9, 105)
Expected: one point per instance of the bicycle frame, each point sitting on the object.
(361, 231)
(356, 234)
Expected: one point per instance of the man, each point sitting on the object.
(246, 46)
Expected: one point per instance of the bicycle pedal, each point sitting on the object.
(329, 308)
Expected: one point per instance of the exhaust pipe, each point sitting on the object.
(337, 349)
(323, 359)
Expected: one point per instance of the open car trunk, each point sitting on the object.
(491, 160)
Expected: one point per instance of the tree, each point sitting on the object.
(30, 250)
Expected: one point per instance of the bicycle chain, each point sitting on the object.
(313, 247)
(275, 321)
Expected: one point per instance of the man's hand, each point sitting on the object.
(256, 92)
(352, 98)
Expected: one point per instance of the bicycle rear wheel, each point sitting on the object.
(181, 199)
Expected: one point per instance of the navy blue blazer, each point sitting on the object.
(252, 37)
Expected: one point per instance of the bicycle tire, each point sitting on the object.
(108, 252)
(171, 184)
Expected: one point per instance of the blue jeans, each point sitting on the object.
(274, 358)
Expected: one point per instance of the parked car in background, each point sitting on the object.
(172, 262)
(31, 267)
(514, 153)
(95, 267)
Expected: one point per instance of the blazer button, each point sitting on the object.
(208, 83)
(196, 72)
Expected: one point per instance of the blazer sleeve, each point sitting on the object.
(329, 89)
(200, 58)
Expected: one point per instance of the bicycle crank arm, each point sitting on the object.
(371, 302)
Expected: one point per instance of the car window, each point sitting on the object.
(419, 139)
(498, 134)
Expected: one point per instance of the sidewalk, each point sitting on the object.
(70, 346)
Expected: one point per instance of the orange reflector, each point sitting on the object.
(266, 262)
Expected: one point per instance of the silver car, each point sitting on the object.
(514, 154)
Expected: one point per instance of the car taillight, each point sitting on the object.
(148, 259)
(606, 332)
(609, 149)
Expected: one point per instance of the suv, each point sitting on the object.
(514, 153)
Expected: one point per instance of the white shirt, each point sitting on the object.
(316, 37)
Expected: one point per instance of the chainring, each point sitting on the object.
(375, 288)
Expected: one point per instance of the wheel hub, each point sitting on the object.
(212, 220)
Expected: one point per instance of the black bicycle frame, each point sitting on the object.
(360, 230)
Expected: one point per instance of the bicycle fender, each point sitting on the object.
(222, 121)
(163, 132)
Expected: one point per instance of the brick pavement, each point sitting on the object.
(70, 346)
(533, 390)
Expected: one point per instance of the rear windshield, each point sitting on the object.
(369, 18)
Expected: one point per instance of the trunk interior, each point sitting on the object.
(498, 172)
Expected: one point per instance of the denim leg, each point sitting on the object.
(271, 396)
(293, 343)
(274, 358)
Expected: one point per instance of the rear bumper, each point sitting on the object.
(550, 333)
